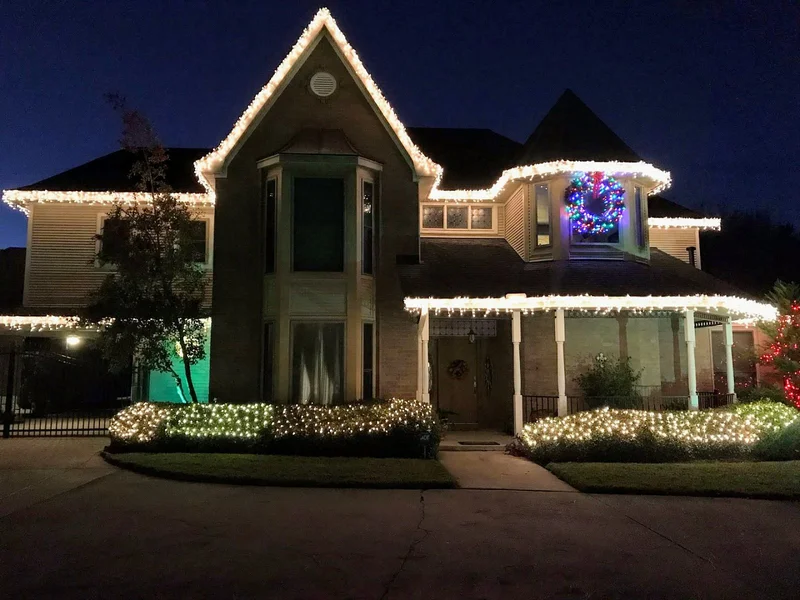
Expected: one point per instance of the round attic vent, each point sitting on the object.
(323, 84)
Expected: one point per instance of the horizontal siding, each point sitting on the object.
(515, 221)
(501, 221)
(61, 271)
(674, 242)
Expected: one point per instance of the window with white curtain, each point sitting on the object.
(317, 363)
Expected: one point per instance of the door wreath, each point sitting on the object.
(458, 369)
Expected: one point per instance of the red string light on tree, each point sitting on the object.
(784, 353)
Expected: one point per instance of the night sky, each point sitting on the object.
(707, 90)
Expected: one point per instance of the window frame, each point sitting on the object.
(270, 215)
(363, 240)
(268, 340)
(343, 180)
(371, 370)
(317, 321)
(638, 209)
(207, 258)
(98, 242)
(468, 230)
(535, 217)
(207, 263)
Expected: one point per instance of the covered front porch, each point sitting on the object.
(521, 354)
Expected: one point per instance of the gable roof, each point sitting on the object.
(491, 268)
(472, 158)
(571, 131)
(111, 173)
(322, 22)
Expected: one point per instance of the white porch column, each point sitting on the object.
(424, 330)
(516, 338)
(419, 361)
(691, 370)
(561, 336)
(728, 329)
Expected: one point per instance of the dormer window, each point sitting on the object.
(595, 204)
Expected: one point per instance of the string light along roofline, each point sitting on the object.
(660, 179)
(19, 199)
(740, 309)
(34, 323)
(685, 223)
(42, 323)
(213, 163)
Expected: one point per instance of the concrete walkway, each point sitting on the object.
(35, 469)
(499, 471)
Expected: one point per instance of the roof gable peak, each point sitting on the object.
(322, 23)
(572, 131)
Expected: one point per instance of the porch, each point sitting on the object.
(528, 351)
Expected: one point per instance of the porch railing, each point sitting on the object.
(540, 406)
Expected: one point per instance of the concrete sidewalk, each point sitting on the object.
(499, 471)
(36, 469)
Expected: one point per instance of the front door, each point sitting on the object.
(457, 383)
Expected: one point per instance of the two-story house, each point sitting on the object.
(355, 258)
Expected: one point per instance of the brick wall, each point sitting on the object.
(652, 344)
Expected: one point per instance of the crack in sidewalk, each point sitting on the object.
(415, 541)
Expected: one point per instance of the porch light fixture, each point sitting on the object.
(471, 336)
(72, 341)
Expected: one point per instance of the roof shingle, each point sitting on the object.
(482, 268)
(110, 173)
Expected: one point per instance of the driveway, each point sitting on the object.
(124, 535)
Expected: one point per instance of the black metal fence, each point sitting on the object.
(538, 407)
(45, 393)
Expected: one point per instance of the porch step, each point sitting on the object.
(474, 441)
(451, 447)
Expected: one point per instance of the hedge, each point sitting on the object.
(621, 435)
(397, 428)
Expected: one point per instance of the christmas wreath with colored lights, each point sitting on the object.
(594, 188)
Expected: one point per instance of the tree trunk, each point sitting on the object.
(188, 370)
(187, 366)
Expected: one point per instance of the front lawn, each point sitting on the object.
(702, 478)
(305, 471)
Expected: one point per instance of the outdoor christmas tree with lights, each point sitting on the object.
(784, 352)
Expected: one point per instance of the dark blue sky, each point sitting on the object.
(708, 90)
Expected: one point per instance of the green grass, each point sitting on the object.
(306, 471)
(702, 478)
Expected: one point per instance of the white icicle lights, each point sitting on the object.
(740, 309)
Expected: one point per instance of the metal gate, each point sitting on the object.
(52, 394)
